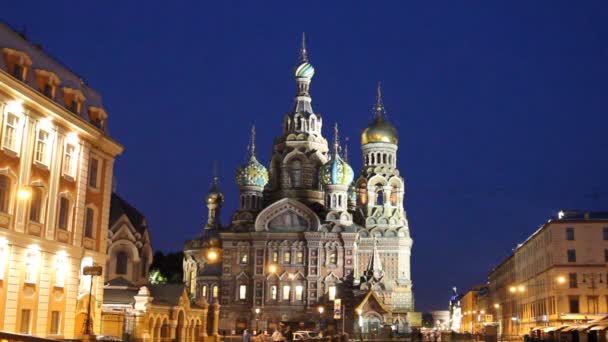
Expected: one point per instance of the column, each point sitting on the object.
(216, 319)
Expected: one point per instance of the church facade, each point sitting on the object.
(307, 233)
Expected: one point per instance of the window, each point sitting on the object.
(573, 303)
(331, 292)
(89, 220)
(204, 291)
(286, 292)
(93, 170)
(55, 321)
(379, 196)
(273, 292)
(31, 265)
(296, 174)
(244, 257)
(571, 255)
(70, 158)
(193, 281)
(18, 71)
(605, 233)
(61, 265)
(24, 327)
(243, 292)
(214, 291)
(572, 281)
(75, 106)
(47, 90)
(36, 205)
(5, 189)
(333, 258)
(570, 234)
(12, 125)
(275, 256)
(299, 292)
(64, 205)
(287, 257)
(299, 257)
(43, 147)
(121, 262)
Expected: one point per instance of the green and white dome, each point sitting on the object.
(252, 173)
(336, 172)
(304, 70)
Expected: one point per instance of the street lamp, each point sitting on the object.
(212, 256)
(24, 194)
(320, 309)
(272, 268)
(257, 320)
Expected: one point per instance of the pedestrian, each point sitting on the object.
(289, 334)
(246, 336)
(277, 336)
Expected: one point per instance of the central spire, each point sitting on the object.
(379, 108)
(252, 143)
(303, 53)
(336, 140)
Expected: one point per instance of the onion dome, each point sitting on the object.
(379, 130)
(304, 69)
(215, 195)
(252, 173)
(336, 171)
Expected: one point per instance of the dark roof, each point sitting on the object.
(166, 293)
(119, 207)
(119, 296)
(119, 282)
(212, 269)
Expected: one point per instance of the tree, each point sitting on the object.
(169, 267)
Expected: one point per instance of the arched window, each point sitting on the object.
(89, 222)
(5, 190)
(214, 291)
(394, 195)
(384, 158)
(193, 280)
(36, 205)
(333, 257)
(62, 220)
(379, 195)
(121, 262)
(296, 174)
(204, 291)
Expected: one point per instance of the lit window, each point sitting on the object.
(332, 292)
(31, 264)
(299, 292)
(204, 291)
(286, 290)
(244, 257)
(193, 281)
(273, 292)
(299, 257)
(93, 171)
(121, 262)
(70, 159)
(275, 256)
(333, 257)
(5, 189)
(36, 205)
(61, 268)
(12, 132)
(89, 221)
(55, 322)
(64, 205)
(43, 147)
(215, 291)
(3, 256)
(286, 257)
(243, 292)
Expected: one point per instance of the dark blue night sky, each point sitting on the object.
(501, 107)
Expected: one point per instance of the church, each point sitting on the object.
(311, 245)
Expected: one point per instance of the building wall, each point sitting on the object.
(533, 287)
(36, 252)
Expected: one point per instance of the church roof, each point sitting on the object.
(212, 269)
(119, 282)
(119, 296)
(166, 293)
(119, 207)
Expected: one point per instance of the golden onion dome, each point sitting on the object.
(380, 130)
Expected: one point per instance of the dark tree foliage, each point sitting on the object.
(170, 266)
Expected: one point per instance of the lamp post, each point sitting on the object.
(92, 271)
(320, 309)
(257, 320)
(360, 313)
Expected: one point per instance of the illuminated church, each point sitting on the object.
(308, 232)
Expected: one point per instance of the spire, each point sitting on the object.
(252, 143)
(379, 108)
(374, 272)
(336, 140)
(303, 53)
(215, 184)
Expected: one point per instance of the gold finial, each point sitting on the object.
(303, 53)
(379, 105)
(252, 144)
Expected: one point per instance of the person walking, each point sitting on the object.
(246, 336)
(288, 334)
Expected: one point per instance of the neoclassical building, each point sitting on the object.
(56, 164)
(308, 233)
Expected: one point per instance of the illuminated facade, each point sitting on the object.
(305, 230)
(56, 162)
(475, 310)
(556, 276)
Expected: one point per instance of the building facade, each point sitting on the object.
(475, 310)
(556, 276)
(56, 163)
(306, 233)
